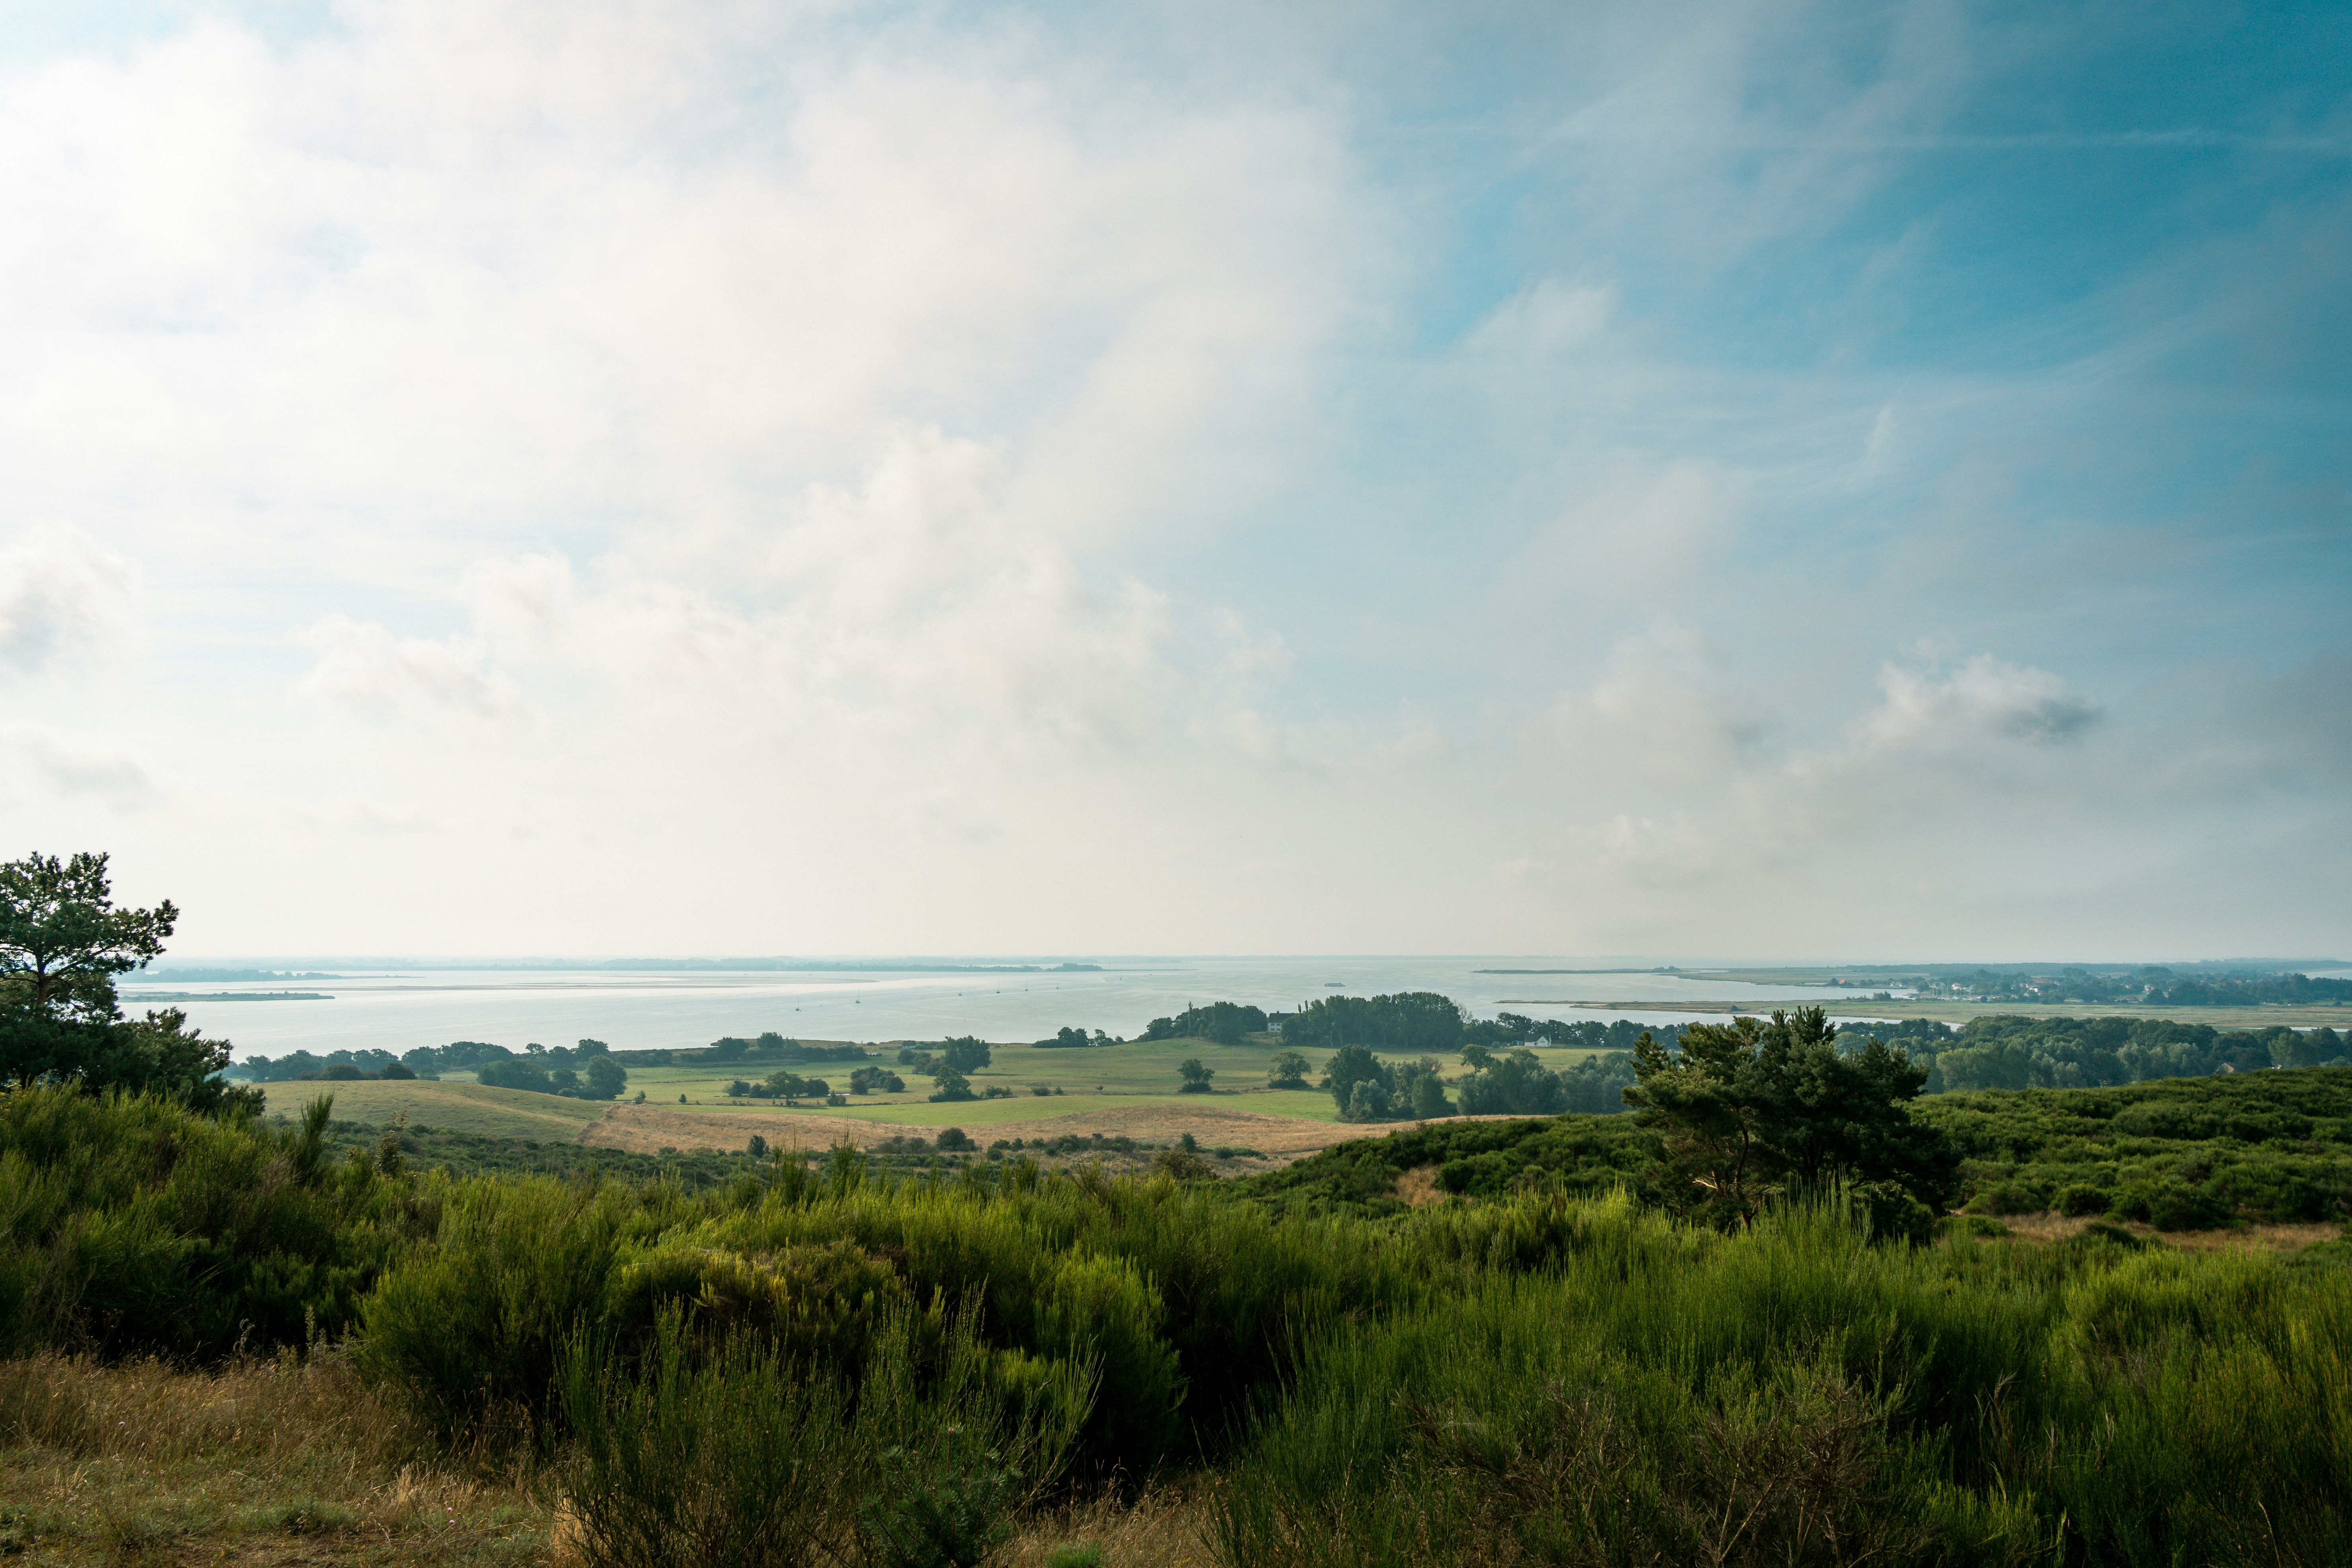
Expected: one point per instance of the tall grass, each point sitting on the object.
(1796, 1395)
(731, 1454)
(817, 1360)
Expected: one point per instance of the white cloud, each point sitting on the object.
(912, 603)
(61, 593)
(921, 482)
(363, 668)
(1549, 317)
(66, 767)
(1984, 699)
(1663, 701)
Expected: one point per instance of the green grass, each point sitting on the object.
(1096, 1078)
(456, 1106)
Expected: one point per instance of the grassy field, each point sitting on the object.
(454, 1107)
(1126, 1091)
(1138, 1067)
(1097, 1078)
(280, 1461)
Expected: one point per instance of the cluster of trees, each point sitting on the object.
(949, 1068)
(1411, 1021)
(334, 1067)
(2090, 1053)
(1068, 1039)
(62, 943)
(963, 1054)
(588, 1073)
(1223, 1022)
(779, 1047)
(1581, 1034)
(2250, 990)
(2147, 984)
(1367, 1089)
(568, 1070)
(1289, 1070)
(782, 1084)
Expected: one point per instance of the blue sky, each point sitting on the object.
(1759, 480)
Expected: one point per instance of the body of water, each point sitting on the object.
(399, 1010)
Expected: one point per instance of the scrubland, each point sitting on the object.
(230, 1343)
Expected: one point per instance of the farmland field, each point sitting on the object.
(1098, 1077)
(454, 1107)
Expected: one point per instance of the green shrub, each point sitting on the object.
(2186, 1208)
(475, 1324)
(956, 1438)
(725, 1459)
(719, 1450)
(1102, 1311)
(817, 1302)
(2077, 1200)
(949, 1508)
(131, 1224)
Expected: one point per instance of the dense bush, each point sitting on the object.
(2183, 1153)
(128, 1223)
(1583, 1155)
(804, 1361)
(1794, 1395)
(734, 1451)
(2186, 1153)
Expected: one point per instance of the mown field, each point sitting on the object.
(1112, 1074)
(457, 1106)
(1103, 1082)
(234, 1343)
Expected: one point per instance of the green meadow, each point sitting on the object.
(459, 1106)
(1097, 1074)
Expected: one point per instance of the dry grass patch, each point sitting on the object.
(287, 1459)
(649, 1128)
(1164, 1528)
(2043, 1229)
(1418, 1188)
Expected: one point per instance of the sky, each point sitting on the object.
(1770, 480)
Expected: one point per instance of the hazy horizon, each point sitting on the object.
(501, 477)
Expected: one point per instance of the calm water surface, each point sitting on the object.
(398, 1010)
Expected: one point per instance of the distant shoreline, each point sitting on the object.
(226, 996)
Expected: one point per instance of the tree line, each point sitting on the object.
(1223, 1022)
(2009, 1052)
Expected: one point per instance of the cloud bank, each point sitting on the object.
(511, 478)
